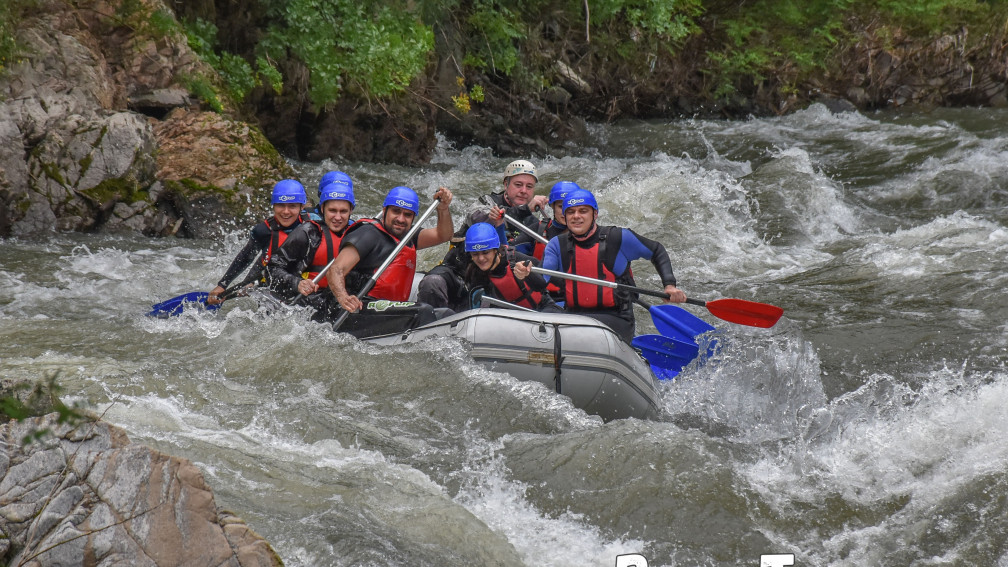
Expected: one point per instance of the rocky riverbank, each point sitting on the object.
(104, 124)
(97, 132)
(78, 492)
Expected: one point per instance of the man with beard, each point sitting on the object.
(603, 253)
(444, 285)
(308, 250)
(366, 246)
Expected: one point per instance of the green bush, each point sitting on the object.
(12, 12)
(373, 47)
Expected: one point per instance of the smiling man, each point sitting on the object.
(366, 246)
(603, 253)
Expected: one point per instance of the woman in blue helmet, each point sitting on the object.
(266, 237)
(603, 253)
(311, 247)
(502, 272)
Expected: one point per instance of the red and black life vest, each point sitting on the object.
(327, 249)
(278, 234)
(514, 290)
(396, 282)
(593, 261)
(540, 251)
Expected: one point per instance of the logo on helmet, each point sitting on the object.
(478, 246)
(286, 198)
(574, 202)
(402, 203)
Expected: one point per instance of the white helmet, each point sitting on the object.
(518, 167)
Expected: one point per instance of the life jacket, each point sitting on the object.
(512, 289)
(327, 249)
(279, 234)
(540, 250)
(396, 282)
(596, 262)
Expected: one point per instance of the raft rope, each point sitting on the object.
(557, 355)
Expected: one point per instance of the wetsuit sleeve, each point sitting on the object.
(551, 257)
(288, 261)
(636, 247)
(247, 255)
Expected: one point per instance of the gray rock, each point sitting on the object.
(85, 495)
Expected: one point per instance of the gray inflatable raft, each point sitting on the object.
(576, 356)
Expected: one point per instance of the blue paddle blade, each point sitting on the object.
(175, 305)
(675, 322)
(666, 355)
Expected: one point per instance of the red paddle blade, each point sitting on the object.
(745, 312)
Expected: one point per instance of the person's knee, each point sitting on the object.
(433, 286)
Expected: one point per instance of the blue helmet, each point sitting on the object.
(403, 197)
(337, 191)
(334, 177)
(289, 191)
(560, 190)
(481, 236)
(579, 197)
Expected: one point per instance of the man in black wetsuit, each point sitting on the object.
(266, 237)
(366, 246)
(444, 285)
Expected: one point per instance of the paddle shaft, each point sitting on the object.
(297, 299)
(515, 223)
(737, 311)
(388, 261)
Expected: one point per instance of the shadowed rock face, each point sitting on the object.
(85, 495)
(96, 133)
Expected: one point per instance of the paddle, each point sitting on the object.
(297, 299)
(175, 305)
(666, 355)
(738, 311)
(388, 261)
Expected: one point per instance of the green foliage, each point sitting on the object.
(237, 74)
(496, 31)
(374, 46)
(26, 400)
(798, 37)
(671, 20)
(203, 88)
(12, 12)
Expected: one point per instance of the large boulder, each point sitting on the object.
(85, 495)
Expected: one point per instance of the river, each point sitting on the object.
(865, 428)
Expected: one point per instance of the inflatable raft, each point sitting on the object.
(575, 356)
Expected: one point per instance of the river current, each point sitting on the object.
(866, 428)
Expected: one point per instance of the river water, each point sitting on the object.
(866, 428)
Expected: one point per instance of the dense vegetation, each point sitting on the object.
(374, 48)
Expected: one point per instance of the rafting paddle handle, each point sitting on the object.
(297, 299)
(515, 223)
(511, 220)
(388, 261)
(737, 311)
